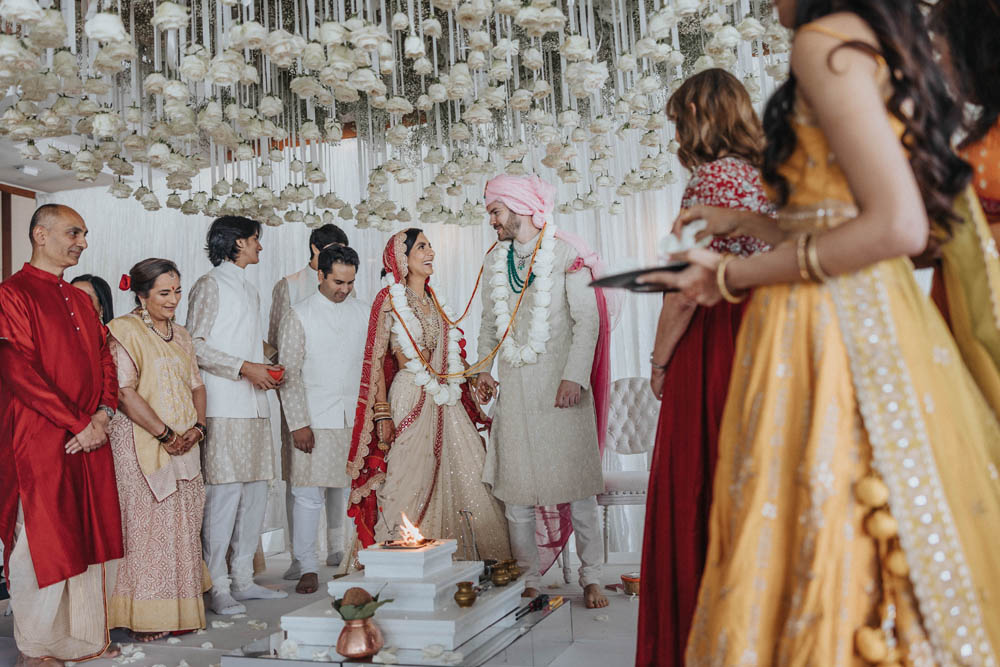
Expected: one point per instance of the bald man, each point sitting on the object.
(57, 477)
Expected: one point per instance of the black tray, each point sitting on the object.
(627, 280)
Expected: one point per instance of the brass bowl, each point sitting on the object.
(630, 583)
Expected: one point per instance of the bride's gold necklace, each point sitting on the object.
(429, 322)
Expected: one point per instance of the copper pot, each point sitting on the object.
(466, 595)
(359, 639)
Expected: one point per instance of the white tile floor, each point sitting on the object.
(599, 641)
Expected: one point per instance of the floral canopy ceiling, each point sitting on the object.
(444, 93)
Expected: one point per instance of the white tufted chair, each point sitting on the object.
(633, 413)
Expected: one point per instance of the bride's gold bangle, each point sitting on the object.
(800, 255)
(812, 259)
(720, 281)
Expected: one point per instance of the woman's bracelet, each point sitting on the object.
(656, 366)
(164, 437)
(801, 258)
(203, 429)
(812, 261)
(720, 281)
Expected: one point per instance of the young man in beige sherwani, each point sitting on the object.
(543, 444)
(322, 342)
(237, 457)
(287, 292)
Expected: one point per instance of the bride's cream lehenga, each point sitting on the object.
(831, 383)
(435, 465)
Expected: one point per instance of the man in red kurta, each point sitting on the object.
(57, 479)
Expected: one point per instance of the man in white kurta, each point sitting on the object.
(237, 460)
(287, 292)
(543, 446)
(321, 341)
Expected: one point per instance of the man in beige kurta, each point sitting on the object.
(287, 292)
(237, 458)
(321, 341)
(543, 446)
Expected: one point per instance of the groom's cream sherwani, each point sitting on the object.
(539, 454)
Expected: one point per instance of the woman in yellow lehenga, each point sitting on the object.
(856, 505)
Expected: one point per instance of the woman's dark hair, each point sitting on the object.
(411, 237)
(323, 236)
(721, 123)
(223, 235)
(337, 254)
(103, 292)
(144, 274)
(971, 29)
(918, 84)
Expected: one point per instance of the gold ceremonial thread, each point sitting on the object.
(720, 281)
(800, 256)
(474, 369)
(812, 256)
(475, 289)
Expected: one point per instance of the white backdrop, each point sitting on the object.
(122, 233)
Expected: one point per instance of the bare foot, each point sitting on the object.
(112, 651)
(27, 661)
(593, 597)
(148, 636)
(309, 583)
(530, 593)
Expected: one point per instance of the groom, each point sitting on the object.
(544, 441)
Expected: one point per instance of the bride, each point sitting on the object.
(415, 447)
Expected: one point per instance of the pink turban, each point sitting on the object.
(524, 195)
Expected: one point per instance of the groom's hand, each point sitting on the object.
(486, 388)
(568, 394)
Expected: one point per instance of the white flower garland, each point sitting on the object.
(538, 332)
(441, 394)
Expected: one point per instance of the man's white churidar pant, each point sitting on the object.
(586, 528)
(234, 515)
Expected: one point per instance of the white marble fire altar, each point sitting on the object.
(420, 581)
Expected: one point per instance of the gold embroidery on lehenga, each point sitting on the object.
(902, 455)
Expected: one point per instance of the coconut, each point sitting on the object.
(356, 596)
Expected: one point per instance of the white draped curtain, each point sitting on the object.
(122, 233)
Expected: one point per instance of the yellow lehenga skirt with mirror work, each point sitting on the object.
(832, 383)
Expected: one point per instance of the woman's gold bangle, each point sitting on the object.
(720, 281)
(812, 259)
(801, 258)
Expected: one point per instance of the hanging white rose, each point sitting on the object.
(496, 97)
(397, 135)
(576, 47)
(106, 27)
(552, 19)
(586, 78)
(366, 81)
(750, 28)
(777, 70)
(96, 86)
(50, 31)
(282, 47)
(423, 66)
(626, 62)
(386, 58)
(532, 59)
(432, 28)
(26, 12)
(472, 13)
(712, 23)
(477, 114)
(686, 7)
(506, 7)
(645, 48)
(226, 68)
(332, 33)
(170, 16)
(270, 106)
(459, 132)
(334, 130)
(530, 18)
(703, 63)
(675, 59)
(314, 56)
(506, 48)
(727, 37)
(368, 37)
(399, 105)
(305, 87)
(107, 124)
(195, 65)
(254, 35)
(476, 61)
(315, 175)
(437, 93)
(345, 93)
(413, 47)
(445, 5)
(500, 71)
(175, 90)
(64, 63)
(150, 202)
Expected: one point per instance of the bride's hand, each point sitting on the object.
(386, 432)
(697, 282)
(719, 221)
